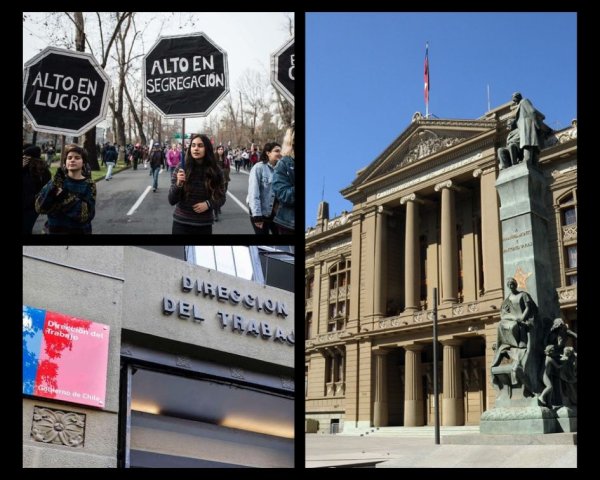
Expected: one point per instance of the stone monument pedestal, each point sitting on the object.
(522, 365)
(528, 420)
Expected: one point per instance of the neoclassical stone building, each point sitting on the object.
(425, 214)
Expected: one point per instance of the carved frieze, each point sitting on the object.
(339, 221)
(569, 232)
(429, 146)
(473, 307)
(567, 294)
(59, 427)
(561, 137)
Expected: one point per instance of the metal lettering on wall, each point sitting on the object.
(235, 323)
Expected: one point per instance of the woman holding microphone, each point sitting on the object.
(197, 189)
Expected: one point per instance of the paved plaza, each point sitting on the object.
(381, 450)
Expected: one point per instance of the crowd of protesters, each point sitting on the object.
(199, 172)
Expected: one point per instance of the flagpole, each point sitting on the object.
(426, 80)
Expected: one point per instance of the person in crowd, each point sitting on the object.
(136, 155)
(156, 162)
(230, 159)
(173, 158)
(245, 158)
(225, 165)
(254, 156)
(35, 175)
(109, 156)
(69, 199)
(197, 189)
(261, 198)
(284, 185)
(50, 155)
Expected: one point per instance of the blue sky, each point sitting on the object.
(364, 80)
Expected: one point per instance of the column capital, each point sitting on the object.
(414, 347)
(380, 351)
(408, 198)
(450, 185)
(413, 197)
(382, 210)
(452, 342)
(446, 184)
(483, 171)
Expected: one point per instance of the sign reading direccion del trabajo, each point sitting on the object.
(64, 358)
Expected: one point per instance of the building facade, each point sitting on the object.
(425, 214)
(198, 364)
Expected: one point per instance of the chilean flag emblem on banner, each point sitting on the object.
(64, 358)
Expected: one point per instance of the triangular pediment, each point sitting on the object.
(423, 139)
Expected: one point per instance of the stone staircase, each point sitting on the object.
(427, 431)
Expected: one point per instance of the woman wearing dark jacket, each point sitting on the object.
(284, 186)
(69, 199)
(35, 175)
(197, 189)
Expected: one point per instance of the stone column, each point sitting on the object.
(449, 250)
(319, 317)
(356, 272)
(380, 405)
(490, 231)
(413, 387)
(379, 283)
(453, 409)
(412, 260)
(351, 400)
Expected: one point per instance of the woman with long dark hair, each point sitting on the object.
(225, 165)
(197, 189)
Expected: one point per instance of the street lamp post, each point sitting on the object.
(436, 400)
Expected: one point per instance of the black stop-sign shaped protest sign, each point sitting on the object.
(64, 91)
(283, 70)
(185, 75)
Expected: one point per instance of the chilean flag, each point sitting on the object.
(426, 74)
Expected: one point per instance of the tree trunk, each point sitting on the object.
(89, 139)
(286, 110)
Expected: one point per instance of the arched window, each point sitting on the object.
(308, 326)
(309, 283)
(567, 210)
(339, 295)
